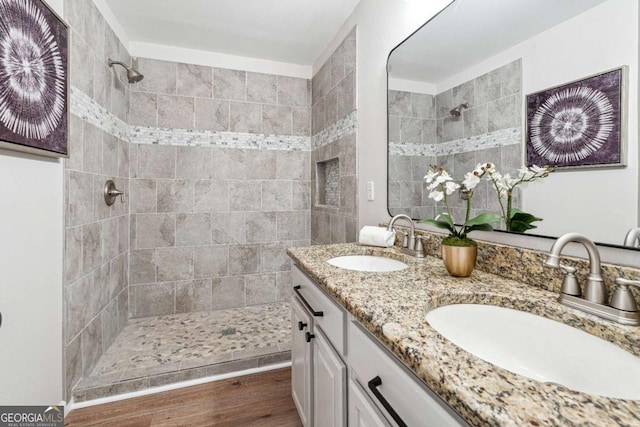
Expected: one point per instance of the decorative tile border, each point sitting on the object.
(89, 110)
(499, 138)
(343, 127)
(187, 137)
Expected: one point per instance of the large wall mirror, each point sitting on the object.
(458, 96)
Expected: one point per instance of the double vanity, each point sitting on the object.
(395, 340)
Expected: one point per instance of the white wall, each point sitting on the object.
(31, 230)
(603, 203)
(382, 25)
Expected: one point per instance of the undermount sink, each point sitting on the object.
(540, 349)
(370, 263)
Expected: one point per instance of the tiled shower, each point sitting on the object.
(188, 276)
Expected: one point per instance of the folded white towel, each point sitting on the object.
(376, 236)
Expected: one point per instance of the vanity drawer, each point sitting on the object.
(333, 318)
(372, 366)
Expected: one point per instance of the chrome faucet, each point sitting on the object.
(632, 238)
(410, 245)
(594, 289)
(622, 308)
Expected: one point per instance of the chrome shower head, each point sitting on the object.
(133, 76)
(455, 112)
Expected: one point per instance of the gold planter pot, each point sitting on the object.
(459, 260)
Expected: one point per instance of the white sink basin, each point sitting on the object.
(540, 349)
(367, 263)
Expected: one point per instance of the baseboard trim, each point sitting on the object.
(79, 405)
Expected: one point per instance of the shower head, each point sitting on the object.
(132, 74)
(458, 110)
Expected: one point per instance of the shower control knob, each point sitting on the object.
(301, 325)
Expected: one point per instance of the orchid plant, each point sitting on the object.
(515, 219)
(440, 186)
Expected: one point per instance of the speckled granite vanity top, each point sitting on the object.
(392, 306)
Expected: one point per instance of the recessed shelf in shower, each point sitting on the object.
(328, 183)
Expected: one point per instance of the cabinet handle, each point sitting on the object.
(373, 386)
(301, 325)
(309, 337)
(306, 304)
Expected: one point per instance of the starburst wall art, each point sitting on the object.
(579, 124)
(33, 78)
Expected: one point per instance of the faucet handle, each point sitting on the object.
(622, 298)
(419, 247)
(405, 240)
(570, 285)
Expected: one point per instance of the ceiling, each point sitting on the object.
(470, 31)
(291, 31)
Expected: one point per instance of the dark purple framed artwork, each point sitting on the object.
(34, 80)
(581, 124)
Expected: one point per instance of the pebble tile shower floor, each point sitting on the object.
(154, 351)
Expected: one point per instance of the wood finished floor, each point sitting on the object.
(262, 399)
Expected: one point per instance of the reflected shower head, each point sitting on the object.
(133, 76)
(458, 110)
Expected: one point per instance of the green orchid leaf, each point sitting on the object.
(515, 211)
(521, 227)
(524, 217)
(439, 224)
(479, 227)
(485, 218)
(442, 216)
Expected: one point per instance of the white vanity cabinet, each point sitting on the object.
(318, 373)
(366, 384)
(362, 412)
(301, 362)
(401, 397)
(329, 384)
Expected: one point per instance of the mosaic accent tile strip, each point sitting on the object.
(183, 345)
(187, 137)
(344, 127)
(495, 139)
(89, 110)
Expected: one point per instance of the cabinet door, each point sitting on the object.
(329, 384)
(301, 361)
(362, 413)
(397, 394)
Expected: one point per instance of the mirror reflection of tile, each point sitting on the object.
(423, 132)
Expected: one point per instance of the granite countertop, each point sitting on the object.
(393, 305)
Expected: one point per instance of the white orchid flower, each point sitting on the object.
(433, 186)
(430, 176)
(525, 173)
(495, 176)
(471, 180)
(436, 195)
(451, 187)
(481, 168)
(444, 177)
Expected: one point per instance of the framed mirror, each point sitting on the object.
(457, 96)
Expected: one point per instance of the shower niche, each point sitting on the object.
(328, 183)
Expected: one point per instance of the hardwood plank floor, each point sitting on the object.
(262, 399)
